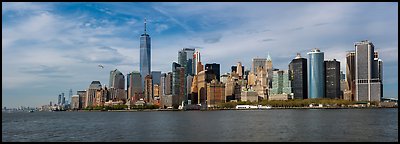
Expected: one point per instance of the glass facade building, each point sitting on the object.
(145, 54)
(298, 77)
(316, 78)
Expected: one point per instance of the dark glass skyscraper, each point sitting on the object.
(215, 68)
(298, 77)
(332, 79)
(145, 54)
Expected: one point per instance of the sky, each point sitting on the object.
(49, 48)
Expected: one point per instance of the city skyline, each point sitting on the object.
(63, 43)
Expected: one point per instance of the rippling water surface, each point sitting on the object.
(230, 125)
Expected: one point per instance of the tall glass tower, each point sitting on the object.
(316, 78)
(145, 54)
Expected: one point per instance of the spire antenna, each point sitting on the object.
(144, 25)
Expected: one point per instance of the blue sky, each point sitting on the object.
(48, 48)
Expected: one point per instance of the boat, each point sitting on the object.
(31, 111)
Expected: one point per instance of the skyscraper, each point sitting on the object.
(162, 84)
(368, 85)
(215, 68)
(117, 86)
(281, 87)
(350, 76)
(134, 85)
(196, 59)
(145, 54)
(178, 83)
(186, 58)
(332, 79)
(316, 78)
(91, 93)
(156, 75)
(148, 89)
(258, 62)
(298, 77)
(117, 79)
(59, 99)
(168, 83)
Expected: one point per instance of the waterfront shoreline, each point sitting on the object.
(274, 108)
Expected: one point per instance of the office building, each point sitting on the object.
(332, 79)
(134, 86)
(316, 78)
(368, 84)
(298, 77)
(196, 59)
(82, 98)
(215, 68)
(156, 75)
(148, 89)
(281, 86)
(349, 92)
(145, 54)
(91, 93)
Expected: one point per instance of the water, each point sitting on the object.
(246, 125)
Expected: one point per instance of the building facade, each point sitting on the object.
(350, 76)
(215, 68)
(368, 85)
(316, 78)
(298, 77)
(91, 93)
(134, 85)
(145, 54)
(332, 79)
(148, 89)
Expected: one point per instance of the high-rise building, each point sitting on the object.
(298, 77)
(196, 59)
(349, 93)
(117, 86)
(199, 67)
(258, 62)
(148, 89)
(162, 84)
(117, 79)
(91, 93)
(332, 79)
(145, 54)
(62, 99)
(215, 68)
(269, 69)
(316, 78)
(168, 84)
(59, 100)
(178, 83)
(82, 98)
(134, 85)
(156, 75)
(368, 85)
(185, 59)
(281, 86)
(239, 69)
